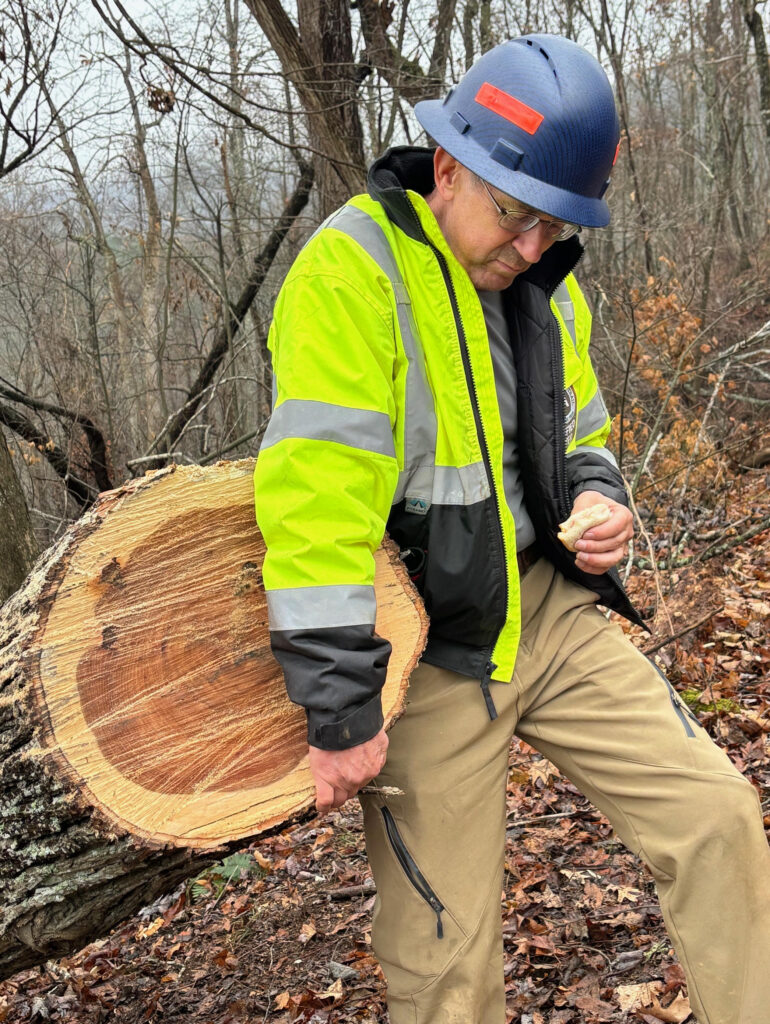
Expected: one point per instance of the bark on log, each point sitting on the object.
(144, 728)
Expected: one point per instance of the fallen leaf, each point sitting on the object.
(282, 1001)
(264, 862)
(334, 991)
(629, 997)
(676, 1012)
(150, 929)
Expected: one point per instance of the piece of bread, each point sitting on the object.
(573, 528)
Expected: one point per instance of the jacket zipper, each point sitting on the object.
(471, 384)
(557, 375)
(411, 870)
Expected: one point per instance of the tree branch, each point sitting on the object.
(26, 429)
(712, 551)
(237, 313)
(96, 443)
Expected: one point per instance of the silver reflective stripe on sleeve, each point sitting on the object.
(589, 449)
(561, 297)
(415, 480)
(591, 417)
(321, 421)
(321, 607)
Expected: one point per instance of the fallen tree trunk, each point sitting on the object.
(144, 727)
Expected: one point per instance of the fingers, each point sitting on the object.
(329, 798)
(339, 774)
(602, 547)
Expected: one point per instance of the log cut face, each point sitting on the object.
(141, 708)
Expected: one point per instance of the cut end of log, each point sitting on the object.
(155, 684)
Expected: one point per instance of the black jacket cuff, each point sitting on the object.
(358, 726)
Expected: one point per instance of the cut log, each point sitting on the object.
(144, 725)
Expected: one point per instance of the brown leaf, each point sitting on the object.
(677, 1011)
(334, 991)
(629, 997)
(282, 1001)
(150, 929)
(264, 862)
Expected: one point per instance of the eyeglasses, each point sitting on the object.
(519, 221)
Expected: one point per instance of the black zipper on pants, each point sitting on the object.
(411, 870)
(683, 712)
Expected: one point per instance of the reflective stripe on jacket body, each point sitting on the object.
(386, 415)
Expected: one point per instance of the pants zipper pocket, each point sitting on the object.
(683, 712)
(411, 870)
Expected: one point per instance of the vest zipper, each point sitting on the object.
(411, 870)
(471, 384)
(557, 375)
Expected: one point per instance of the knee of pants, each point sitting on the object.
(711, 824)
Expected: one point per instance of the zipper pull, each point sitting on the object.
(437, 907)
(485, 690)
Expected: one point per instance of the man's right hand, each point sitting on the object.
(339, 774)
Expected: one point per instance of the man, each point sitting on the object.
(430, 350)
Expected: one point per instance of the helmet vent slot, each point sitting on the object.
(507, 154)
(459, 122)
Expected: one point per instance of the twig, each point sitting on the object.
(539, 818)
(382, 790)
(650, 548)
(712, 551)
(682, 632)
(350, 892)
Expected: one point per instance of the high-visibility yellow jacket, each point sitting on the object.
(386, 416)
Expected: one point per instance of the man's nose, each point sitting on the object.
(533, 243)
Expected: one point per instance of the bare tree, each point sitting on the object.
(18, 547)
(30, 35)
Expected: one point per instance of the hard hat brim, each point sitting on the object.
(555, 202)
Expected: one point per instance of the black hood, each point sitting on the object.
(411, 167)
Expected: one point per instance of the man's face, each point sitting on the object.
(492, 256)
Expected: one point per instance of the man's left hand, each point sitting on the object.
(605, 545)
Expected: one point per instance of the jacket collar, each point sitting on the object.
(411, 167)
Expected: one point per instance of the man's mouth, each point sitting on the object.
(512, 269)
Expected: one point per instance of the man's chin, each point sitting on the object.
(495, 276)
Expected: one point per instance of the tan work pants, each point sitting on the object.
(611, 723)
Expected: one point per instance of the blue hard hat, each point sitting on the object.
(536, 118)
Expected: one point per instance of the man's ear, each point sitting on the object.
(447, 172)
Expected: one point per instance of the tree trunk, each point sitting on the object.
(313, 87)
(18, 547)
(757, 30)
(143, 720)
(325, 34)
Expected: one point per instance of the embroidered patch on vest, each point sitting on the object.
(570, 415)
(417, 506)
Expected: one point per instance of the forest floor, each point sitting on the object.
(281, 932)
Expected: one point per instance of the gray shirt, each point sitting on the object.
(505, 383)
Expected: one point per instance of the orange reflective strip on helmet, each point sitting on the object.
(509, 107)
